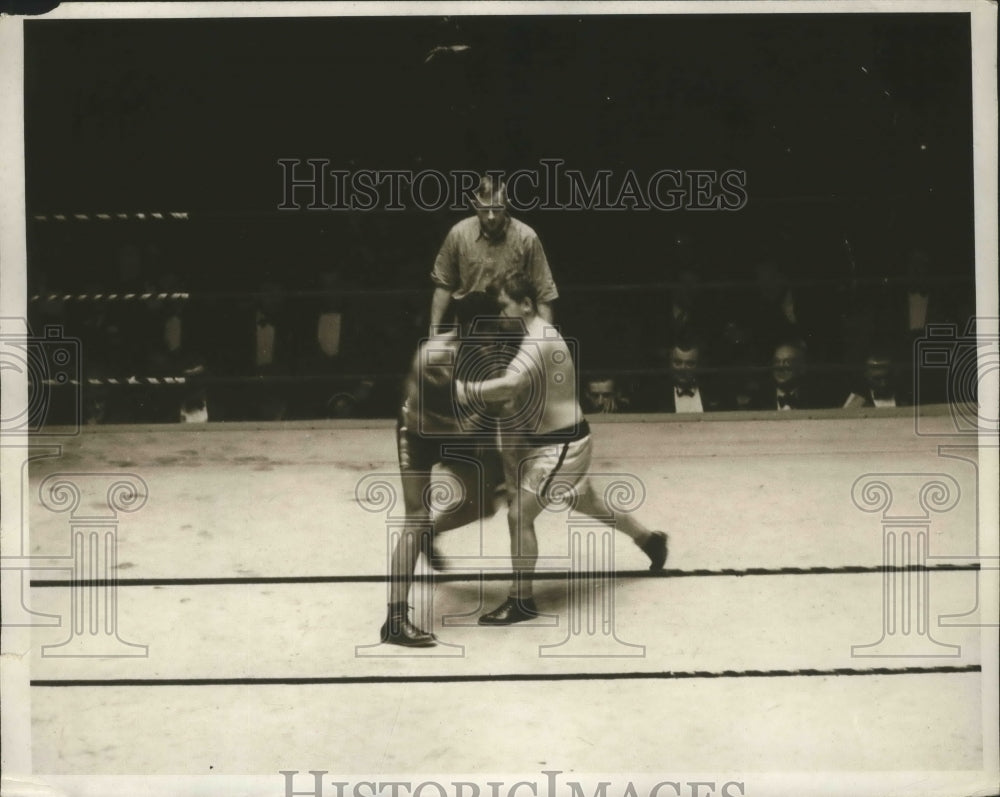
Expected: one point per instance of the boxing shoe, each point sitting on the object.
(656, 549)
(398, 630)
(512, 610)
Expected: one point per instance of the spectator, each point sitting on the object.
(173, 351)
(194, 406)
(129, 317)
(922, 303)
(323, 349)
(880, 383)
(902, 310)
(790, 388)
(95, 405)
(688, 391)
(688, 317)
(349, 402)
(253, 338)
(272, 352)
(602, 395)
(739, 381)
(782, 312)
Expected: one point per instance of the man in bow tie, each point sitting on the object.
(787, 369)
(687, 392)
(880, 388)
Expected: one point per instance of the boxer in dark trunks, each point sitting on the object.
(431, 432)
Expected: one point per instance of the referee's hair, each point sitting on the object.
(518, 286)
(487, 191)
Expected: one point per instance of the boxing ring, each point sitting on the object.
(820, 610)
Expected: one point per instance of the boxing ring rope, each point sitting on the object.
(903, 508)
(707, 286)
(117, 216)
(905, 566)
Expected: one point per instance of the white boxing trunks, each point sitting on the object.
(551, 466)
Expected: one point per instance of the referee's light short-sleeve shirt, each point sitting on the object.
(469, 260)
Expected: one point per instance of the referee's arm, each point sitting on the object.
(439, 304)
(538, 267)
(445, 276)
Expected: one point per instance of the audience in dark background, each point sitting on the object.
(328, 333)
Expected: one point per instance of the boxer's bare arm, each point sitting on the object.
(518, 376)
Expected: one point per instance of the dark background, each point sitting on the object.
(854, 131)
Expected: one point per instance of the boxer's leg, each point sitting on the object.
(653, 543)
(415, 474)
(525, 472)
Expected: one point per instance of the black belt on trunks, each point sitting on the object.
(568, 434)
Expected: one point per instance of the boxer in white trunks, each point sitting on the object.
(544, 438)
